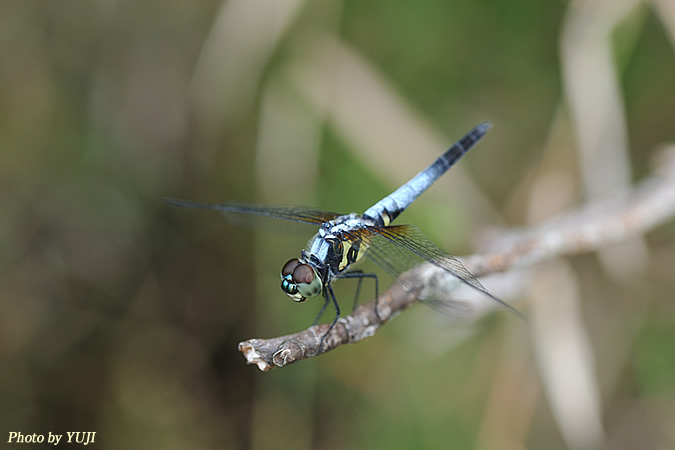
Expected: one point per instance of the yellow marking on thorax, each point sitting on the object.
(352, 253)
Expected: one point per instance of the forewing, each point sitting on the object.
(299, 214)
(396, 259)
(409, 238)
(400, 240)
(391, 257)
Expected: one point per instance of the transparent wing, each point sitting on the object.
(399, 248)
(300, 214)
(395, 260)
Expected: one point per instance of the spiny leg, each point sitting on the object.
(360, 275)
(329, 288)
(323, 308)
(357, 293)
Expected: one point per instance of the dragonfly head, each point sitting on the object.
(299, 280)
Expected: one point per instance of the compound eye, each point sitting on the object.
(303, 273)
(289, 267)
(307, 280)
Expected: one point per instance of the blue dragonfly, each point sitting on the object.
(344, 239)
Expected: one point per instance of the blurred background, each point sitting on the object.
(121, 315)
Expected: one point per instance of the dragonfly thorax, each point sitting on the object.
(332, 250)
(340, 243)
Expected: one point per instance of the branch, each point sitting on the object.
(650, 204)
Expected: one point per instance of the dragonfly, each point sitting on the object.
(343, 240)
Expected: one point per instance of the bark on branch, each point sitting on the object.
(650, 204)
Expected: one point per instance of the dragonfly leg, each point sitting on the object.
(360, 276)
(323, 309)
(329, 288)
(357, 293)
